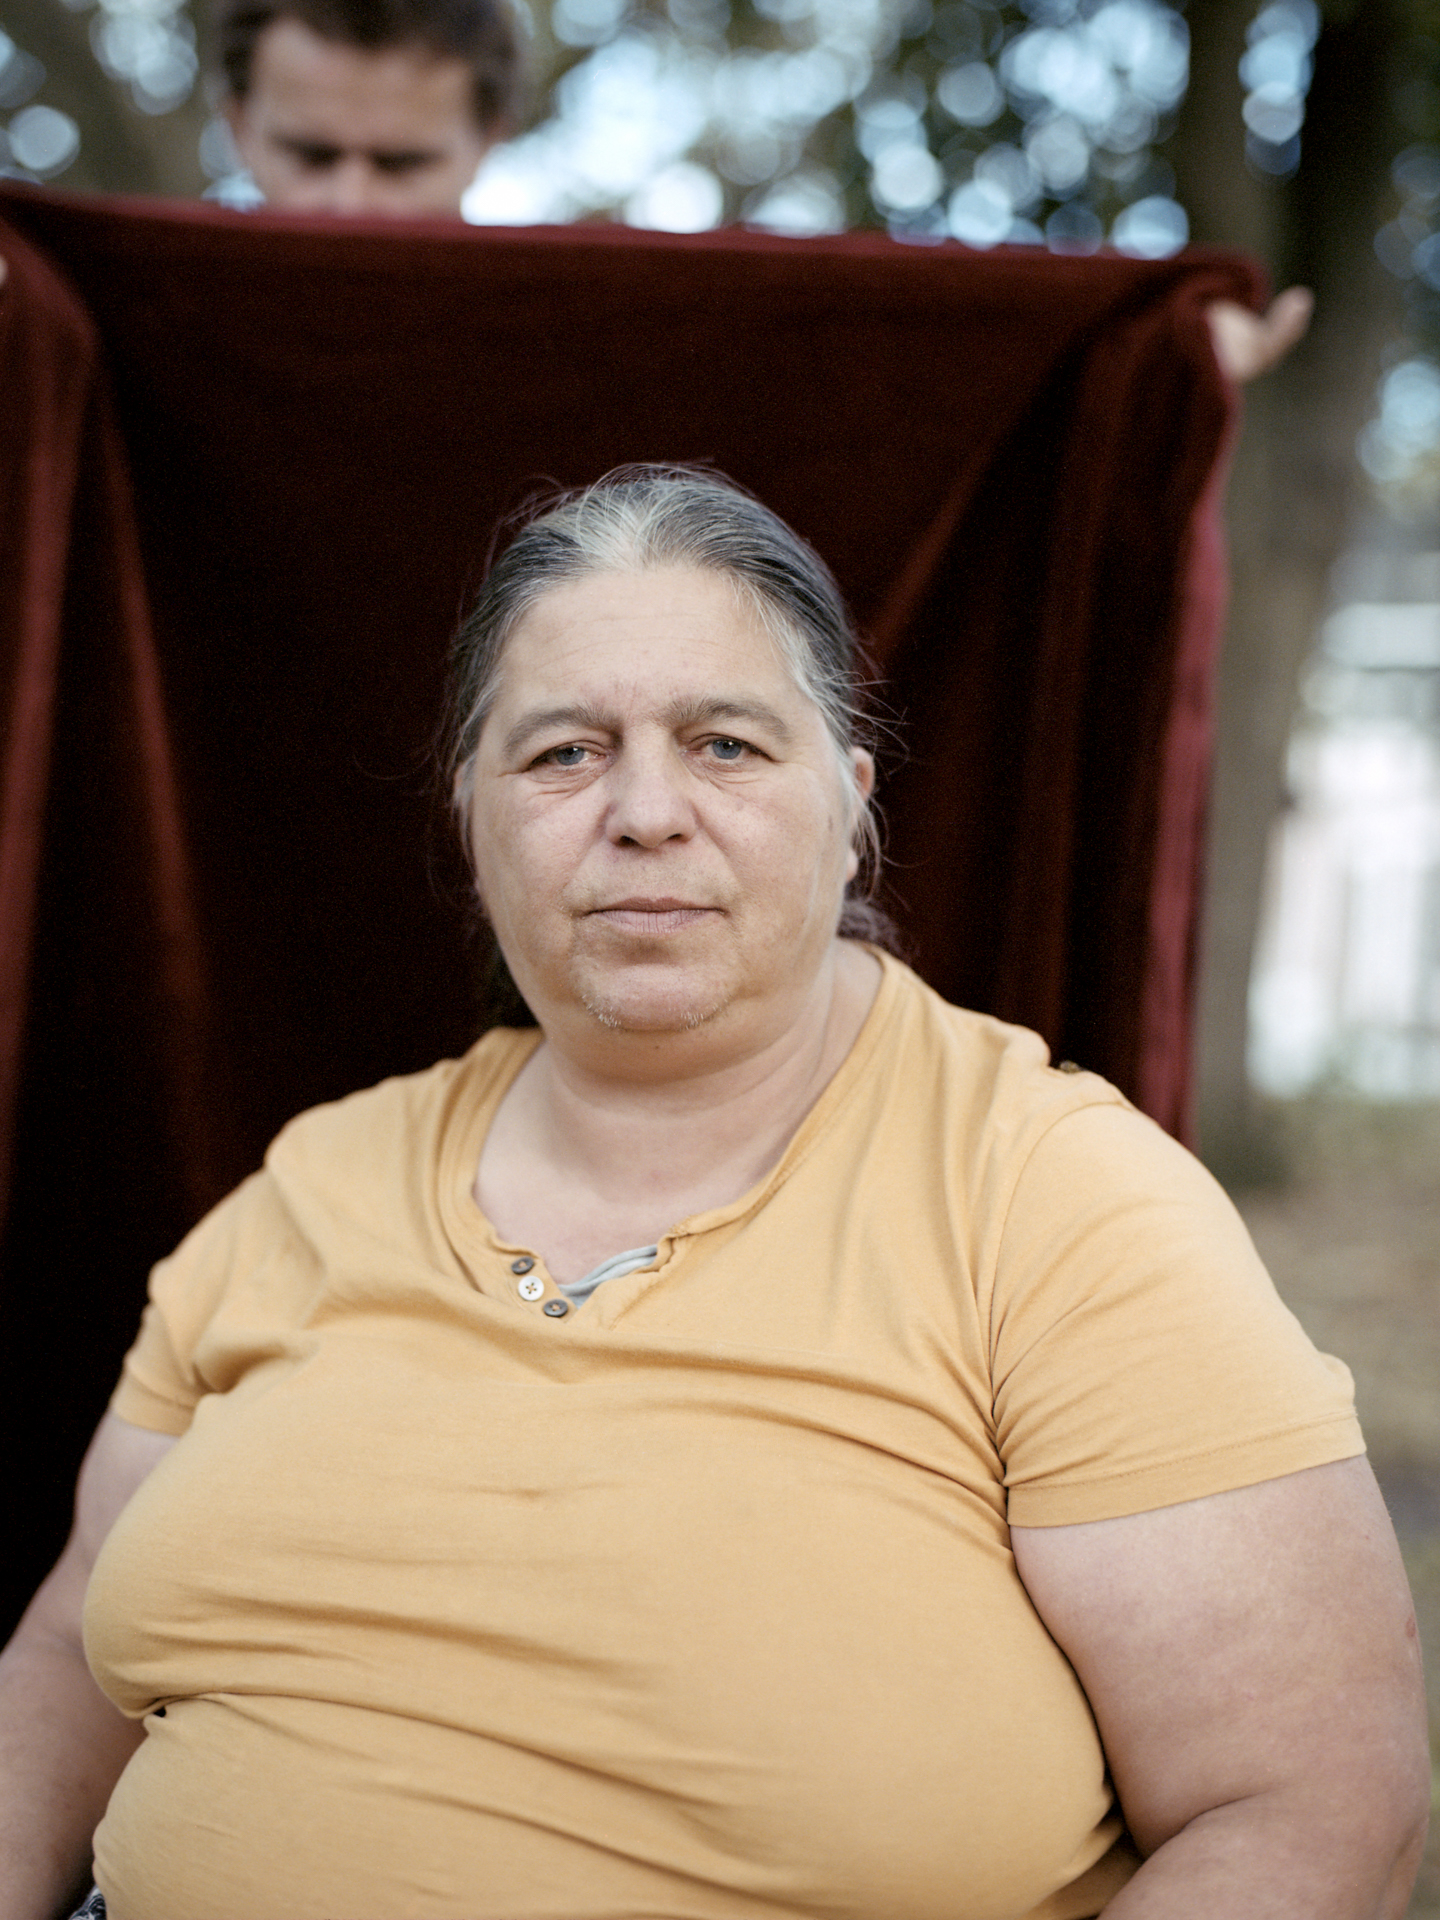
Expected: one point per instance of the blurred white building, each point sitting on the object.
(1347, 981)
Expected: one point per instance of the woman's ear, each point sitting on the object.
(862, 772)
(461, 792)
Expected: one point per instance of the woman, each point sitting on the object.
(758, 1442)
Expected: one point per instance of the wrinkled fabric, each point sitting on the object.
(251, 469)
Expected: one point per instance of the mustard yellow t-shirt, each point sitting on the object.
(697, 1601)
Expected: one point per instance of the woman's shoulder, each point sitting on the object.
(400, 1119)
(998, 1077)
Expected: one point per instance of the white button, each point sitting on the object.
(531, 1287)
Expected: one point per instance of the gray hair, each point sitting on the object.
(640, 517)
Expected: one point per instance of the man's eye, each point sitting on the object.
(727, 749)
(399, 163)
(571, 756)
(316, 159)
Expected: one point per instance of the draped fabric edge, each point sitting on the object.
(74, 444)
(1174, 929)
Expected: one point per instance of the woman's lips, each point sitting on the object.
(652, 916)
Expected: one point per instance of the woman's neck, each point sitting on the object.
(580, 1163)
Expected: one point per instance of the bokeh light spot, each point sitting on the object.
(970, 94)
(979, 214)
(1152, 228)
(683, 198)
(1074, 228)
(43, 140)
(906, 178)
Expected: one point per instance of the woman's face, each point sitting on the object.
(661, 825)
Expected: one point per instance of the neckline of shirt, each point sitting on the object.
(482, 1083)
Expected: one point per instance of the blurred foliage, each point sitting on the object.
(931, 118)
(1400, 448)
(1407, 243)
(102, 94)
(1045, 120)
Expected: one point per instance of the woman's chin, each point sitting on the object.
(652, 1003)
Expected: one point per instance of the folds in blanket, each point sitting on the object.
(101, 951)
(1055, 681)
(106, 1143)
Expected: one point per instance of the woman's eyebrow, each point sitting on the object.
(679, 714)
(572, 714)
(702, 713)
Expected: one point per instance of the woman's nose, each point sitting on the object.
(649, 798)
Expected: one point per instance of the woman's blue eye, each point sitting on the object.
(728, 749)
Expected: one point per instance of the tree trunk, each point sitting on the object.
(1296, 483)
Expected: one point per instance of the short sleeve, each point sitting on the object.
(1141, 1355)
(162, 1378)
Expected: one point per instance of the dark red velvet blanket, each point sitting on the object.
(251, 466)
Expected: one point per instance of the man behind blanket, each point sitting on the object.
(367, 106)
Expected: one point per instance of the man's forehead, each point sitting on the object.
(388, 97)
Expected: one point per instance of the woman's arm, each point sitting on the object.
(1254, 1669)
(62, 1744)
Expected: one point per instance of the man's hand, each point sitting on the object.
(1248, 344)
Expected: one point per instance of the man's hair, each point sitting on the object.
(641, 517)
(482, 33)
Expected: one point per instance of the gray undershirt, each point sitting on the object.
(577, 1292)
